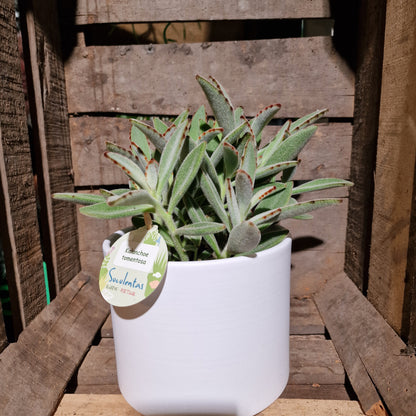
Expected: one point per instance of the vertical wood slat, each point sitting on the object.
(3, 335)
(366, 114)
(52, 143)
(18, 213)
(395, 165)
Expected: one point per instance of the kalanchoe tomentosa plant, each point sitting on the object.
(213, 191)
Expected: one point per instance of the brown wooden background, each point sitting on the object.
(79, 82)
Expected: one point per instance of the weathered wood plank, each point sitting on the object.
(101, 11)
(326, 155)
(52, 151)
(313, 361)
(368, 345)
(18, 213)
(395, 165)
(3, 335)
(39, 366)
(306, 74)
(364, 142)
(109, 405)
(304, 317)
(315, 392)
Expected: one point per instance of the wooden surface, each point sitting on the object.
(101, 11)
(18, 213)
(307, 74)
(109, 405)
(35, 370)
(326, 155)
(3, 336)
(364, 144)
(371, 351)
(51, 142)
(395, 167)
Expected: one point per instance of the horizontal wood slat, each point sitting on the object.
(373, 354)
(102, 11)
(35, 370)
(326, 155)
(109, 405)
(313, 361)
(302, 74)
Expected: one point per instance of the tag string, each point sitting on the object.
(148, 220)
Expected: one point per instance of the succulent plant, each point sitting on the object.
(210, 186)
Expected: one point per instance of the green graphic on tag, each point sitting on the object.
(134, 267)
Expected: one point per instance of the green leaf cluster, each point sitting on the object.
(209, 185)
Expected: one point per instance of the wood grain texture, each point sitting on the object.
(302, 74)
(313, 361)
(367, 344)
(3, 336)
(326, 155)
(109, 405)
(101, 11)
(39, 366)
(364, 142)
(52, 149)
(18, 211)
(395, 165)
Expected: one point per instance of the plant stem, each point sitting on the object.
(167, 219)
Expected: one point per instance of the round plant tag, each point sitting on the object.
(134, 267)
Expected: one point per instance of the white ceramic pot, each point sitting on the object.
(212, 340)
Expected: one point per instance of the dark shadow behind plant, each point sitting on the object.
(209, 186)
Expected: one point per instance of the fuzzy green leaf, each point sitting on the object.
(212, 196)
(186, 175)
(195, 128)
(230, 138)
(220, 104)
(319, 184)
(262, 119)
(129, 167)
(200, 228)
(275, 200)
(210, 134)
(270, 238)
(159, 125)
(307, 120)
(138, 138)
(152, 134)
(104, 211)
(243, 191)
(79, 198)
(132, 198)
(170, 156)
(290, 211)
(249, 160)
(231, 159)
(270, 149)
(264, 192)
(292, 145)
(196, 214)
(271, 170)
(232, 203)
(243, 238)
(151, 173)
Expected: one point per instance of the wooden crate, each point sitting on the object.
(77, 95)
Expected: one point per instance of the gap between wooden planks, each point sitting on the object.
(114, 404)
